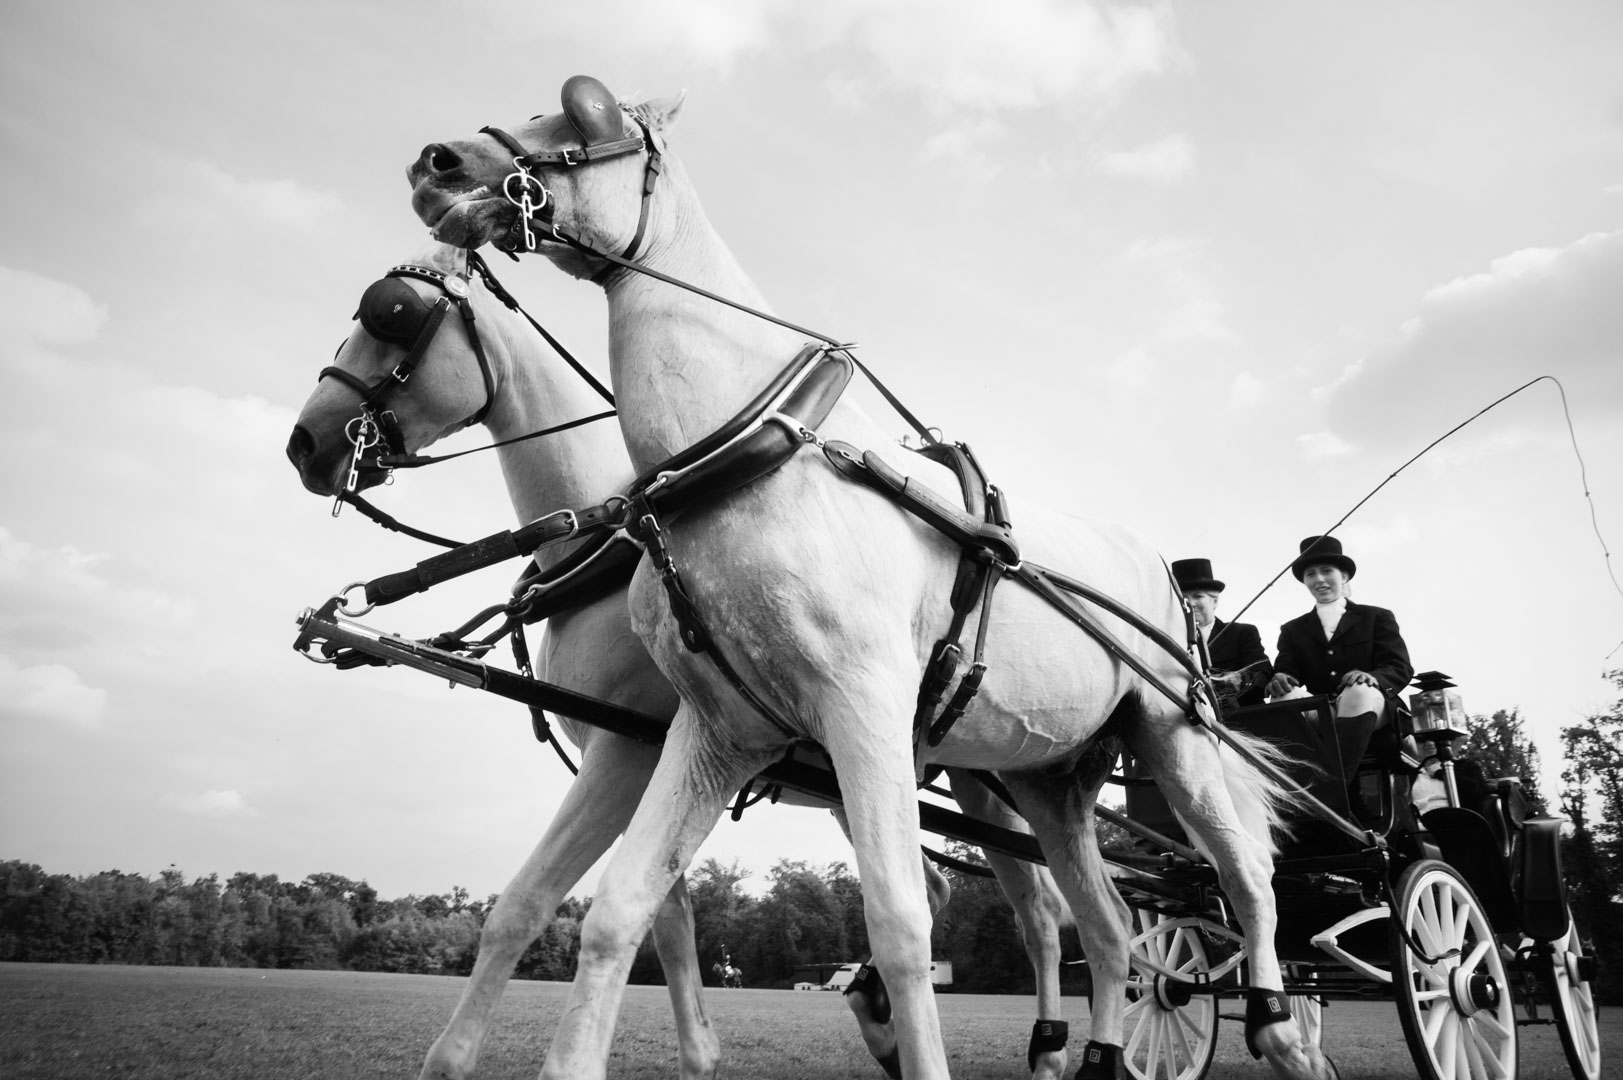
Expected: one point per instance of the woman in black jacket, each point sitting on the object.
(1350, 651)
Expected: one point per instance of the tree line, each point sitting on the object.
(806, 915)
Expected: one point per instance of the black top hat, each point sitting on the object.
(1195, 575)
(1322, 551)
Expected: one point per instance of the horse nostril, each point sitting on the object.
(439, 158)
(300, 446)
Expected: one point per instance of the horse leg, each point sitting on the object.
(698, 1048)
(1190, 772)
(1060, 808)
(874, 760)
(689, 788)
(870, 1004)
(597, 806)
(1039, 911)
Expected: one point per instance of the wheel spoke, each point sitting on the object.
(1178, 1041)
(1448, 1045)
(1140, 1029)
(1450, 923)
(1477, 954)
(1491, 1022)
(1485, 1052)
(1434, 1021)
(1153, 1060)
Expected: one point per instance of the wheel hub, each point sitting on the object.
(1472, 993)
(1173, 993)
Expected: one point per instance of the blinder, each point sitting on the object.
(393, 312)
(592, 110)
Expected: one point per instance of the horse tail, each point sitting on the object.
(1260, 801)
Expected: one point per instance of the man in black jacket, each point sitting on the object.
(1352, 651)
(1238, 658)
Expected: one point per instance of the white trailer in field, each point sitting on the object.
(940, 975)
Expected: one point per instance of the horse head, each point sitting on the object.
(588, 171)
(404, 377)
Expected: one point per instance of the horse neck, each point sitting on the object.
(567, 470)
(682, 364)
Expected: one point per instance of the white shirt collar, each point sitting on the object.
(1330, 615)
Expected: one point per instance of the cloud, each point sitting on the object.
(1532, 312)
(1367, 539)
(963, 146)
(1190, 310)
(1246, 391)
(1164, 161)
(1319, 445)
(1132, 370)
(952, 54)
(52, 692)
(212, 804)
(199, 199)
(37, 310)
(1018, 55)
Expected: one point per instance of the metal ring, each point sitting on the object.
(343, 606)
(525, 179)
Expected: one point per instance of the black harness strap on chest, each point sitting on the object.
(761, 438)
(988, 547)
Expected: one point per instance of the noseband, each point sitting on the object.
(534, 199)
(394, 314)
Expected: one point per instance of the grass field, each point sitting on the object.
(64, 1022)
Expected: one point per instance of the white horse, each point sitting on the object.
(826, 599)
(592, 650)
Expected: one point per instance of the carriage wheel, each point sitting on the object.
(1452, 994)
(1171, 1034)
(1573, 1001)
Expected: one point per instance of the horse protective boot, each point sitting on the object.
(870, 1003)
(1101, 1061)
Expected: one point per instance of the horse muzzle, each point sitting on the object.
(324, 469)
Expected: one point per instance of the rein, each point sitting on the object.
(521, 237)
(986, 541)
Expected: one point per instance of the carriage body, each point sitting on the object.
(1460, 915)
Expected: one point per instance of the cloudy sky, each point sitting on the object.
(1212, 270)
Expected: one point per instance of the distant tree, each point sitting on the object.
(1592, 855)
(723, 915)
(802, 921)
(846, 889)
(1499, 744)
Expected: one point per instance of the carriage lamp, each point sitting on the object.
(1437, 710)
(1438, 716)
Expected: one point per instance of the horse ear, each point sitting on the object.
(592, 110)
(660, 113)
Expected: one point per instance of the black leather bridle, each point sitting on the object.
(539, 206)
(394, 314)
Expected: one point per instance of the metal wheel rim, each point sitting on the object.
(1167, 1043)
(1573, 1002)
(1451, 1040)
